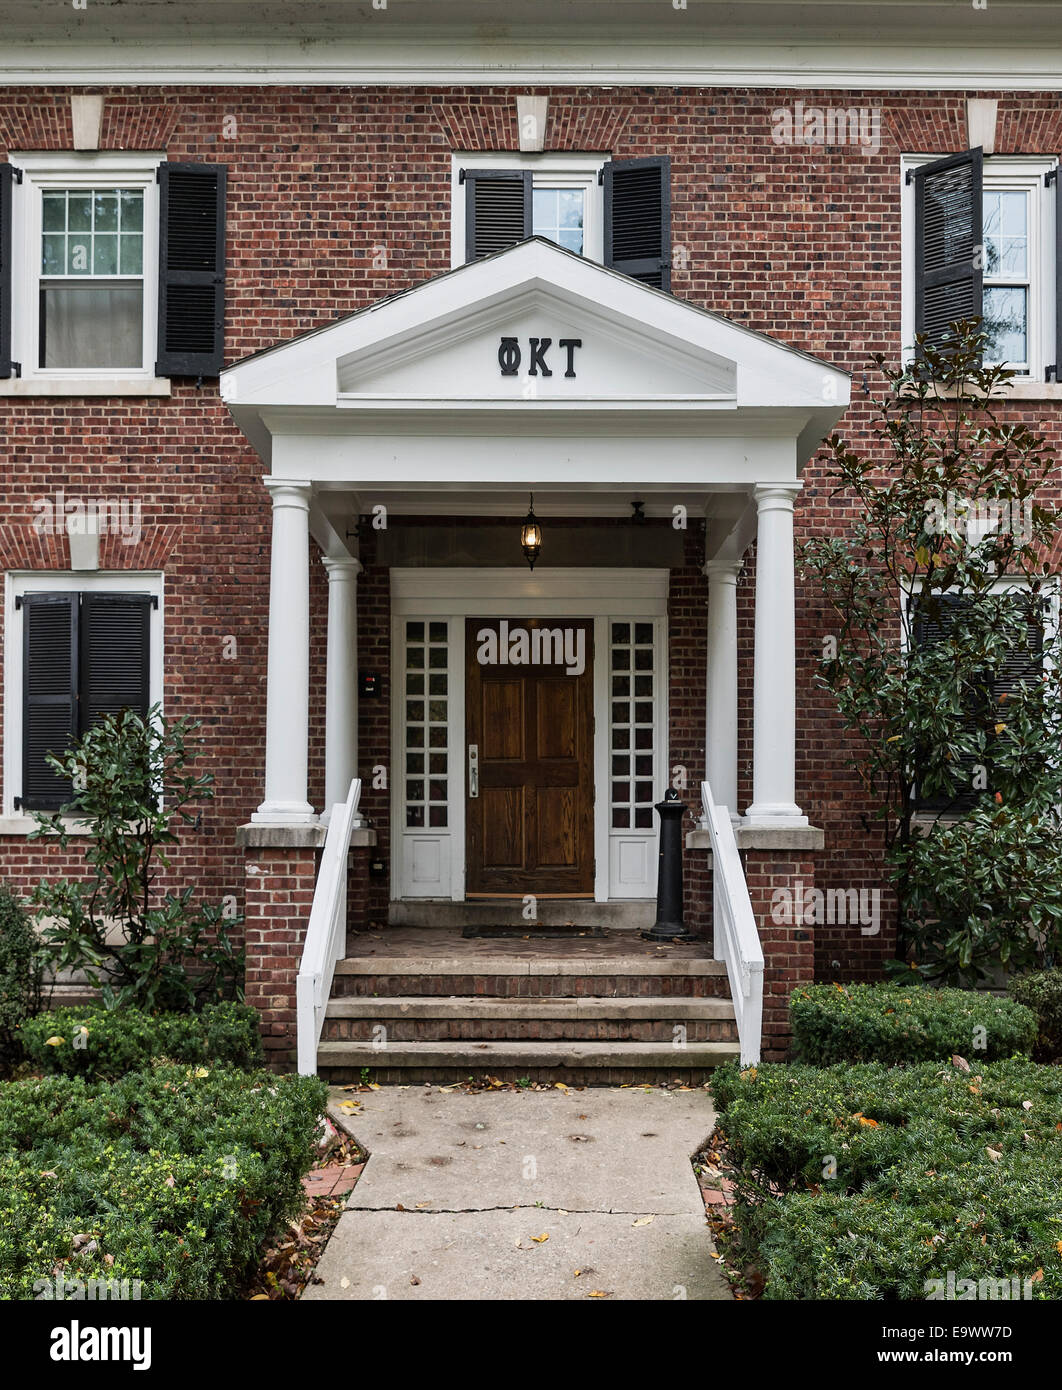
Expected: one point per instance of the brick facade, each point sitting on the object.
(798, 242)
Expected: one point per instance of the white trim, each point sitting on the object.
(19, 582)
(458, 593)
(102, 385)
(550, 170)
(812, 62)
(65, 169)
(1018, 172)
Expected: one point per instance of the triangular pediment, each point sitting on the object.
(533, 330)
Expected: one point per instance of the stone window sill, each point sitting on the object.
(17, 824)
(86, 386)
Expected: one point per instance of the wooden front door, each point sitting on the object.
(530, 718)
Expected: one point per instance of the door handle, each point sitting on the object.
(473, 769)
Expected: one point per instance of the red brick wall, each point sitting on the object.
(279, 893)
(799, 242)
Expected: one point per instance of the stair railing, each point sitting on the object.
(326, 932)
(737, 939)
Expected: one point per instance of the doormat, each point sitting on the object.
(518, 933)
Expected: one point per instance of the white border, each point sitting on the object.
(65, 169)
(458, 593)
(19, 582)
(1021, 172)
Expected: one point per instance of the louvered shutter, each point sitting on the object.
(638, 219)
(6, 180)
(191, 269)
(927, 630)
(1025, 664)
(948, 243)
(114, 655)
(498, 213)
(49, 696)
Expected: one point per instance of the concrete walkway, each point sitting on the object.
(460, 1189)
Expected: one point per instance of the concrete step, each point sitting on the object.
(511, 976)
(468, 1018)
(604, 1063)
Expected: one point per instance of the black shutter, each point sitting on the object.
(949, 233)
(115, 631)
(191, 269)
(7, 176)
(638, 219)
(49, 696)
(928, 630)
(497, 210)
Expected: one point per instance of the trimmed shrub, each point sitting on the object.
(870, 1182)
(21, 969)
(173, 1177)
(894, 1023)
(1042, 992)
(104, 1043)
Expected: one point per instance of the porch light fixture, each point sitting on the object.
(531, 535)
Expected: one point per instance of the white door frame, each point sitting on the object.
(460, 592)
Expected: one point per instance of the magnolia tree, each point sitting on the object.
(942, 660)
(134, 789)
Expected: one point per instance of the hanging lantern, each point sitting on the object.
(531, 535)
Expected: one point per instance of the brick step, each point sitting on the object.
(515, 977)
(579, 1063)
(428, 1018)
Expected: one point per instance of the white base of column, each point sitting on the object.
(285, 813)
(768, 813)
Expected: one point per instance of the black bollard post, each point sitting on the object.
(669, 923)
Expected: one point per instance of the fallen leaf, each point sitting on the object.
(54, 1041)
(579, 1271)
(344, 1283)
(994, 1154)
(643, 1221)
(1034, 1278)
(258, 1297)
(960, 1062)
(1026, 1105)
(539, 1239)
(600, 1293)
(560, 1086)
(413, 1279)
(421, 1205)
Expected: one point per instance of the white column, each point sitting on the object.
(774, 689)
(288, 670)
(341, 687)
(721, 730)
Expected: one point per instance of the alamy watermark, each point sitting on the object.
(952, 1289)
(973, 518)
(64, 1290)
(541, 646)
(105, 516)
(807, 906)
(858, 126)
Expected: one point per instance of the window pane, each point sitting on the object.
(79, 212)
(105, 212)
(1005, 322)
(132, 255)
(92, 326)
(132, 206)
(54, 260)
(54, 212)
(557, 214)
(1006, 236)
(105, 255)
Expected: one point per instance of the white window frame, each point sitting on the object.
(20, 582)
(1021, 173)
(55, 170)
(549, 171)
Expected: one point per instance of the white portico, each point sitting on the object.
(535, 371)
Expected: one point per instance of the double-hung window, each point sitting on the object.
(75, 653)
(617, 212)
(112, 270)
(983, 239)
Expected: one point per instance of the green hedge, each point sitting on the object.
(1042, 992)
(172, 1176)
(865, 1182)
(102, 1043)
(897, 1023)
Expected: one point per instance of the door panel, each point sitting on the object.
(530, 829)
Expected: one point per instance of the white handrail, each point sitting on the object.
(737, 940)
(326, 932)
